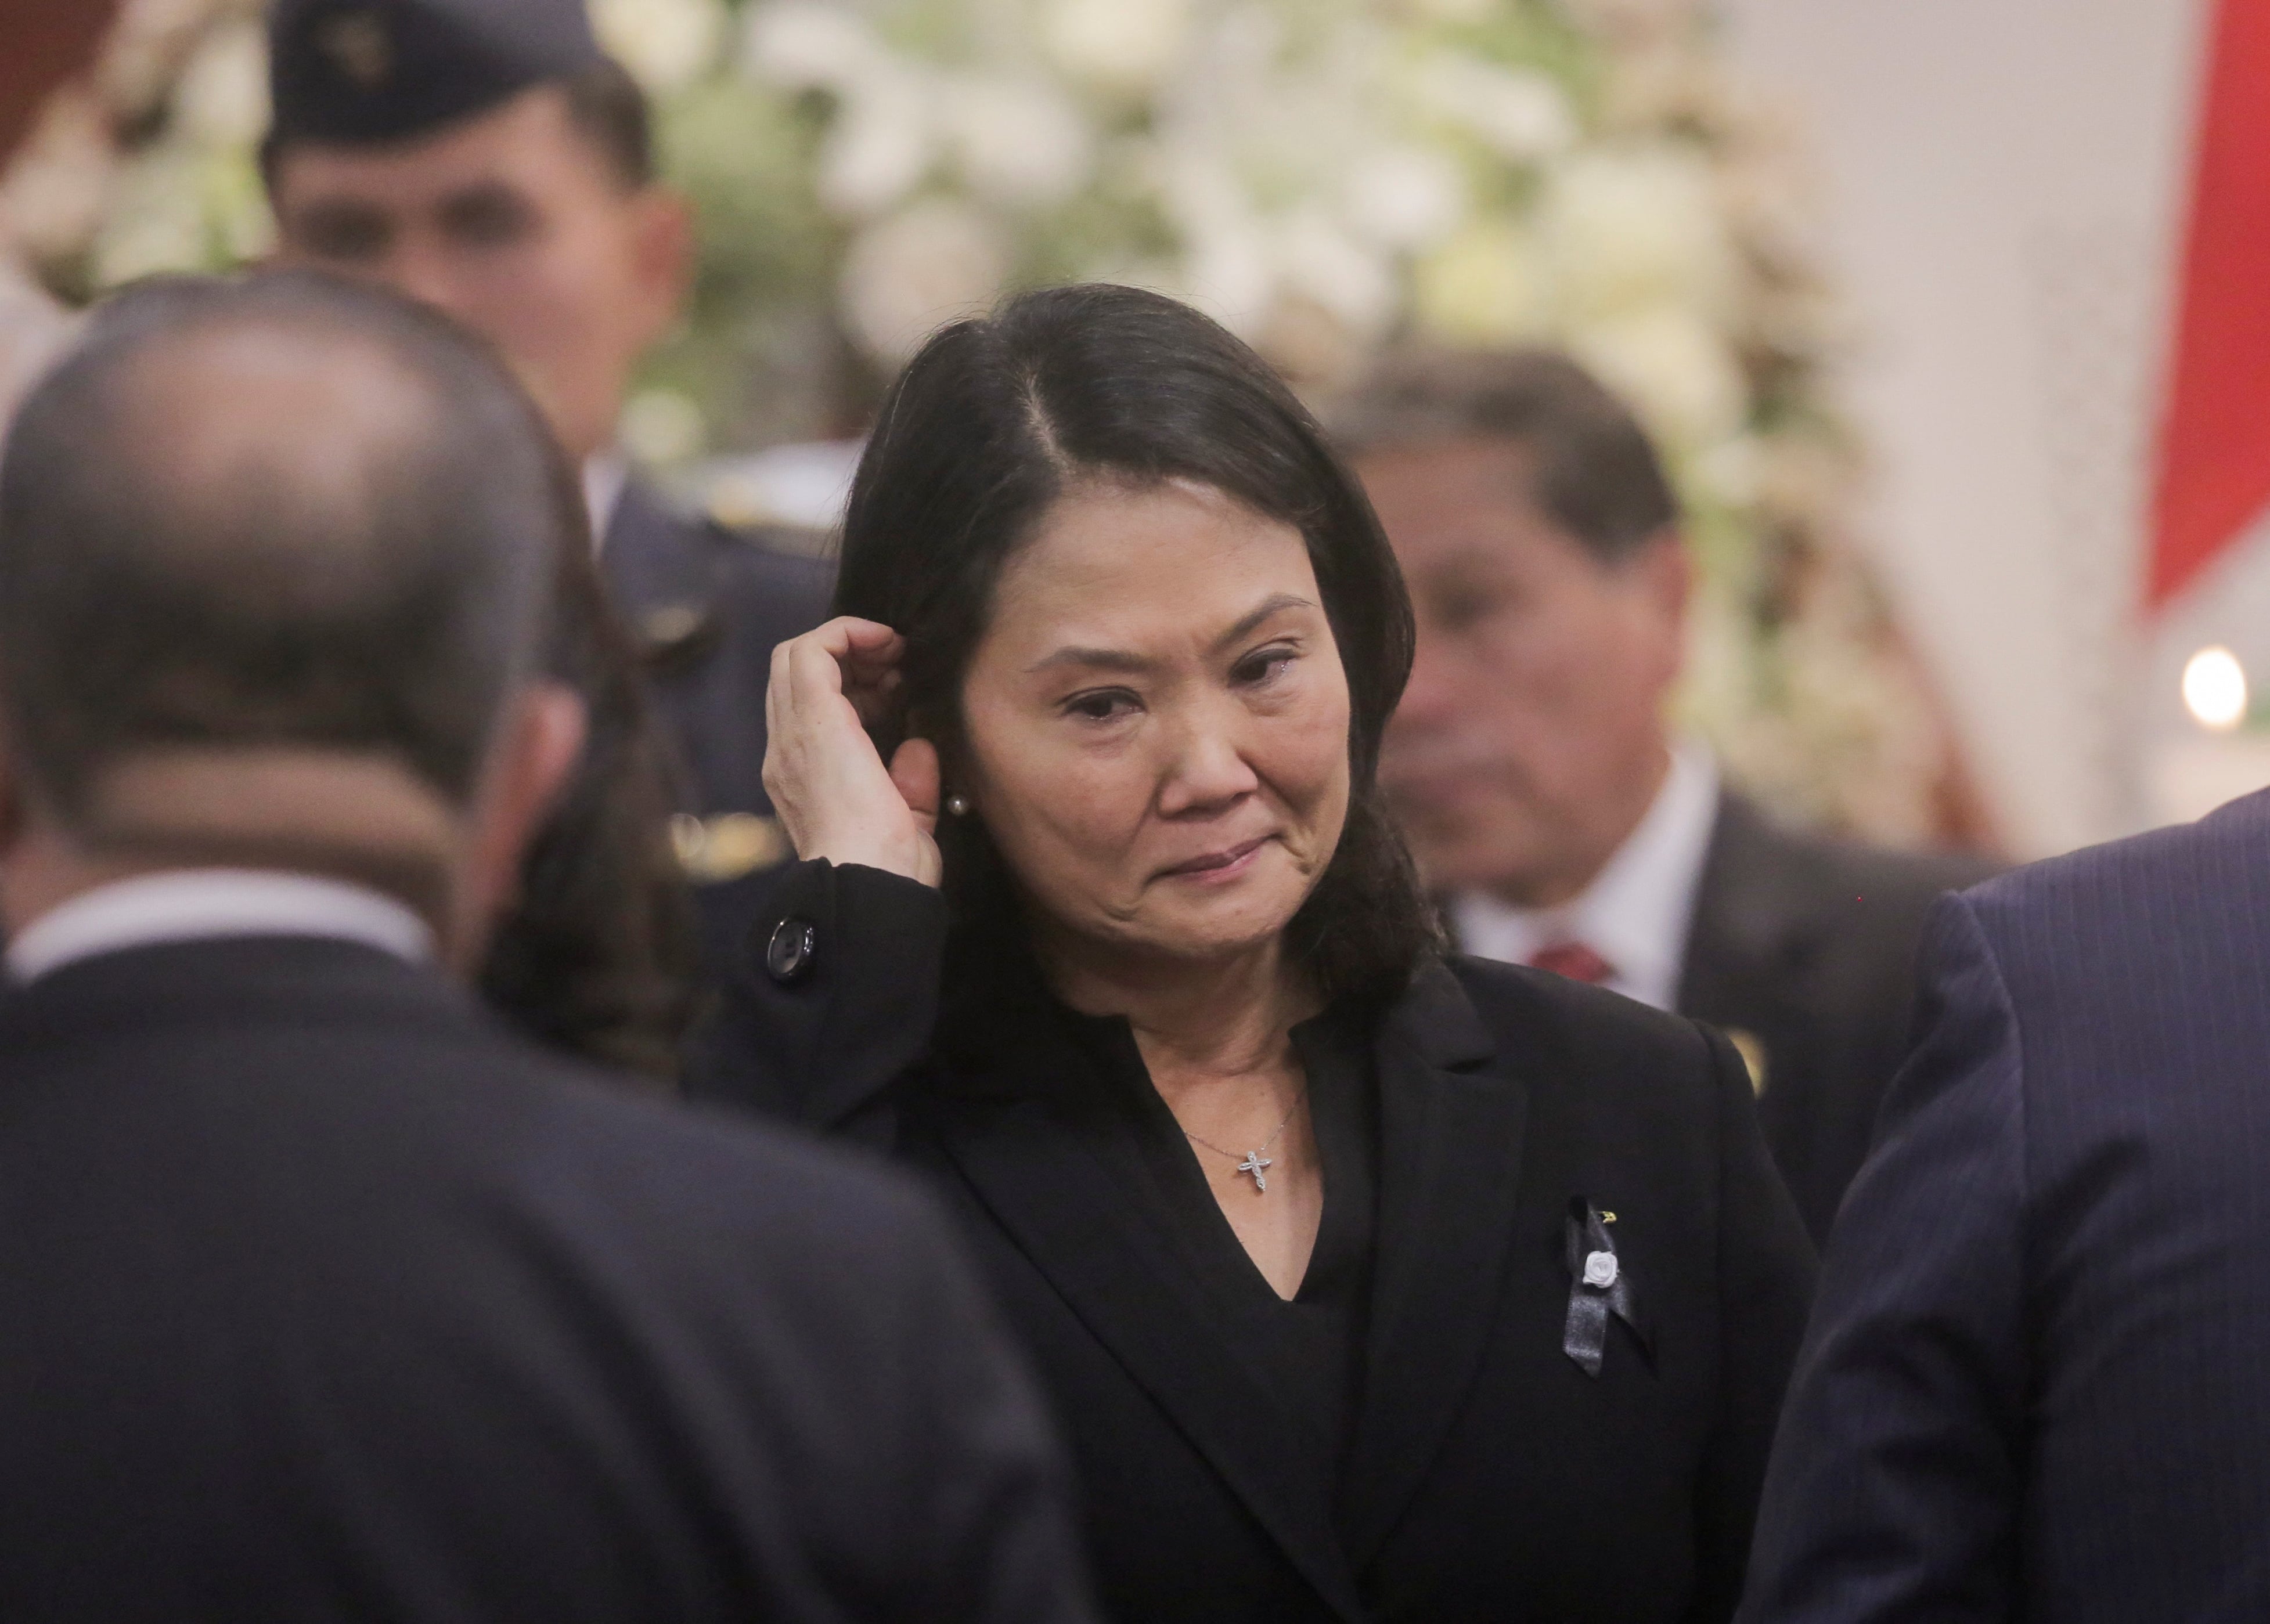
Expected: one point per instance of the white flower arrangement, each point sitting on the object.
(1319, 175)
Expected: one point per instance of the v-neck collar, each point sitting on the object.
(1172, 1166)
(1449, 1160)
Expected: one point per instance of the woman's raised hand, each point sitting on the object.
(834, 795)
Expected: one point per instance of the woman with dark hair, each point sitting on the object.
(598, 953)
(1370, 1283)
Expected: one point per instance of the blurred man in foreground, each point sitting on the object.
(1542, 788)
(484, 156)
(2034, 1384)
(322, 1296)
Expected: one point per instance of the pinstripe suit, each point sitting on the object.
(2036, 1383)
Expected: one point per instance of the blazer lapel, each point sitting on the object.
(1449, 1167)
(1059, 1200)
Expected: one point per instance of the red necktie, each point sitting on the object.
(1574, 960)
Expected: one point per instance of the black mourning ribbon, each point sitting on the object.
(1585, 1338)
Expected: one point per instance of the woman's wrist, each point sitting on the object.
(911, 856)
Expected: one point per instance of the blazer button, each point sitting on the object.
(789, 955)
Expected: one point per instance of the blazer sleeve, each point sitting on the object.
(824, 1043)
(1766, 1270)
(1893, 1484)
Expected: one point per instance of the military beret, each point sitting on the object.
(370, 71)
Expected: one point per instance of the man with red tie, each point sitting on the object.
(1565, 823)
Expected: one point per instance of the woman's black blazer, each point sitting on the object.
(1489, 1475)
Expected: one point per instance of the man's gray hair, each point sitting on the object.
(277, 510)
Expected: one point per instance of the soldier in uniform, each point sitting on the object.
(486, 157)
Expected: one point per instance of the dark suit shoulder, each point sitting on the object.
(1595, 1033)
(661, 561)
(557, 1328)
(768, 565)
(2153, 923)
(1804, 946)
(706, 607)
(715, 1193)
(1799, 868)
(2180, 858)
(426, 1086)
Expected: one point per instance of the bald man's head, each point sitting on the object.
(270, 514)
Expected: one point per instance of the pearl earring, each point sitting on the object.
(959, 805)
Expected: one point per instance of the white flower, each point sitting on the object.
(1637, 228)
(666, 44)
(903, 277)
(1675, 368)
(1228, 266)
(1732, 473)
(1019, 142)
(1227, 274)
(1483, 286)
(883, 142)
(1406, 197)
(1199, 193)
(1520, 114)
(222, 99)
(807, 43)
(1153, 275)
(156, 224)
(1126, 46)
(1349, 281)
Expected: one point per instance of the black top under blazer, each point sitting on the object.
(323, 1298)
(2037, 1384)
(1487, 1475)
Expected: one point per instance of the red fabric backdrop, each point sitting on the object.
(2214, 451)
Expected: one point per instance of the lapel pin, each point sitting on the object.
(1598, 1290)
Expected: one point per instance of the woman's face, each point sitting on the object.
(1157, 723)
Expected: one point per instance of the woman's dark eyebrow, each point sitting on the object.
(1102, 659)
(1136, 665)
(1268, 606)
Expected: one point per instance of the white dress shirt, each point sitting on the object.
(1636, 912)
(605, 476)
(201, 904)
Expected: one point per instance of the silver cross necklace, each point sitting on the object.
(1256, 1161)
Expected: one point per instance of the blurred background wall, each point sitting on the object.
(2003, 190)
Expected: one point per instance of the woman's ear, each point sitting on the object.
(915, 773)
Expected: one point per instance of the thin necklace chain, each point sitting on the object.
(1265, 1144)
